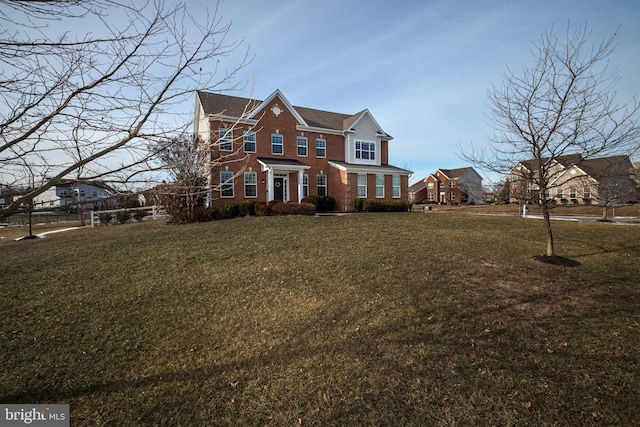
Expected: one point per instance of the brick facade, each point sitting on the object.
(279, 173)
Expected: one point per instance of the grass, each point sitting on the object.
(371, 319)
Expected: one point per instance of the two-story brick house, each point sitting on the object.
(451, 187)
(270, 150)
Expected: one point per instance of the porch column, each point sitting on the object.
(300, 185)
(269, 185)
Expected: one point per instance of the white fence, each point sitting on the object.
(154, 212)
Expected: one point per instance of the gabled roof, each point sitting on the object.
(233, 106)
(566, 161)
(454, 173)
(604, 167)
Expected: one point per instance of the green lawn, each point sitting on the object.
(370, 319)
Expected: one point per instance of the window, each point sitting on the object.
(559, 193)
(305, 185)
(587, 192)
(226, 183)
(302, 146)
(365, 150)
(362, 186)
(379, 186)
(225, 139)
(452, 196)
(321, 184)
(430, 197)
(431, 186)
(452, 184)
(277, 144)
(395, 183)
(573, 193)
(249, 140)
(321, 147)
(250, 184)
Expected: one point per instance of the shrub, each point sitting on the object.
(123, 216)
(105, 217)
(139, 214)
(228, 210)
(369, 205)
(322, 203)
(248, 207)
(293, 209)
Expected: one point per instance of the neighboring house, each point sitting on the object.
(270, 150)
(76, 194)
(450, 186)
(48, 199)
(572, 179)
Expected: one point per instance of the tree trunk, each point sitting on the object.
(547, 221)
(604, 213)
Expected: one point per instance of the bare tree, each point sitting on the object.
(564, 104)
(89, 102)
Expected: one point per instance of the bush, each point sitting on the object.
(262, 209)
(248, 207)
(139, 214)
(123, 216)
(105, 217)
(228, 210)
(293, 209)
(369, 205)
(322, 203)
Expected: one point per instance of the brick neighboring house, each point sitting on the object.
(270, 150)
(575, 180)
(449, 186)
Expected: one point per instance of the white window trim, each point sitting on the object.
(323, 186)
(254, 142)
(225, 137)
(394, 187)
(231, 182)
(323, 148)
(255, 184)
(365, 185)
(305, 146)
(281, 144)
(370, 144)
(378, 186)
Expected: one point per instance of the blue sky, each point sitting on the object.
(422, 68)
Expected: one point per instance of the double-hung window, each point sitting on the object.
(226, 183)
(302, 146)
(380, 186)
(365, 150)
(277, 143)
(559, 193)
(321, 184)
(225, 139)
(395, 182)
(573, 193)
(305, 185)
(249, 140)
(321, 147)
(250, 184)
(586, 194)
(362, 186)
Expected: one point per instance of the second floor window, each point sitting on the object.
(249, 140)
(452, 184)
(225, 139)
(321, 147)
(302, 146)
(365, 150)
(277, 143)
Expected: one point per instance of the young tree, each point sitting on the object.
(564, 104)
(91, 100)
